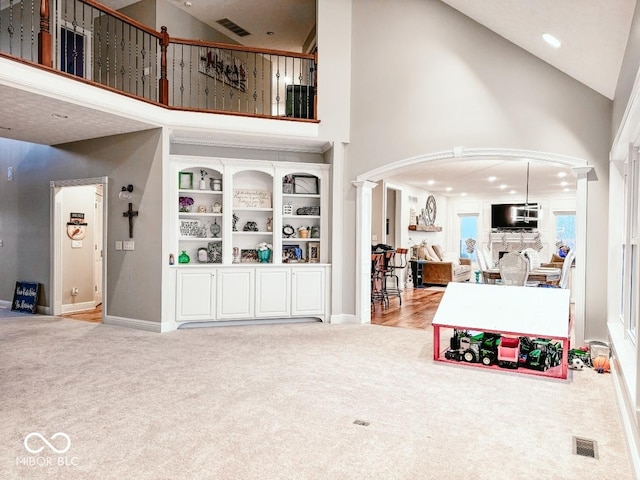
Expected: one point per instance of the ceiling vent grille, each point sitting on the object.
(234, 27)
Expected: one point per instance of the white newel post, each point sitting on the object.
(579, 278)
(364, 195)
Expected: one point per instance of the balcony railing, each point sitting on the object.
(101, 46)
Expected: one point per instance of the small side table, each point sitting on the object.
(416, 271)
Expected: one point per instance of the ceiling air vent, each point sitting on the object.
(235, 28)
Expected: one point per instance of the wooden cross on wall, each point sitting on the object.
(130, 213)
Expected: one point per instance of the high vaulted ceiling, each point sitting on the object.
(593, 33)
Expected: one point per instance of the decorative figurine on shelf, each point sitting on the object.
(203, 184)
(216, 207)
(269, 224)
(183, 257)
(236, 255)
(202, 209)
(315, 231)
(235, 221)
(250, 227)
(215, 228)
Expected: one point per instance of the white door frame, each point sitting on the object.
(58, 229)
(366, 181)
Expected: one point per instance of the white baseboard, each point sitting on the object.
(627, 416)
(78, 307)
(5, 304)
(134, 323)
(344, 318)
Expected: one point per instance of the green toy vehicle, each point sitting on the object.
(539, 353)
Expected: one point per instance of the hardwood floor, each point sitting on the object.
(94, 315)
(418, 308)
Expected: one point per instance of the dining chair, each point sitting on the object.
(533, 257)
(566, 269)
(514, 269)
(483, 255)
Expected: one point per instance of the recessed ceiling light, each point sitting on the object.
(551, 40)
(270, 33)
(502, 187)
(562, 174)
(188, 3)
(463, 194)
(448, 189)
(564, 184)
(513, 192)
(431, 182)
(492, 179)
(567, 190)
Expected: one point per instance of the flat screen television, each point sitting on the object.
(503, 216)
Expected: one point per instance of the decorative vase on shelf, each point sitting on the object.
(263, 255)
(183, 257)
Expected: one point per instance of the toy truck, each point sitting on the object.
(481, 347)
(539, 353)
(508, 352)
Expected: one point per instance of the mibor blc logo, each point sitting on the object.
(47, 452)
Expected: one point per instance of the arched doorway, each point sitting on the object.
(366, 181)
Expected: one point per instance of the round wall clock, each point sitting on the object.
(431, 210)
(288, 231)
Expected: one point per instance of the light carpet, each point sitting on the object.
(279, 402)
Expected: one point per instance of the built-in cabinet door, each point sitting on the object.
(307, 291)
(196, 295)
(273, 292)
(236, 293)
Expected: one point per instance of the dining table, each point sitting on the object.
(546, 275)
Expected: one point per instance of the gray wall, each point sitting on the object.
(133, 289)
(628, 72)
(455, 83)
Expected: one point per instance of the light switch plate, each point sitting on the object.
(118, 244)
(128, 245)
(76, 243)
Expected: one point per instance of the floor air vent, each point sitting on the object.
(585, 447)
(361, 423)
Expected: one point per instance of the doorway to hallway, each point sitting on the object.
(78, 268)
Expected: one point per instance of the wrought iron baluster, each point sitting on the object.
(11, 29)
(123, 46)
(32, 57)
(99, 36)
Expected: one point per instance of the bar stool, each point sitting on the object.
(378, 290)
(396, 263)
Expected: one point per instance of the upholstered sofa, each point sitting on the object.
(441, 268)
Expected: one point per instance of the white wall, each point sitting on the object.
(455, 83)
(77, 263)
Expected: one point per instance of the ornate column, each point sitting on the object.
(44, 36)
(364, 198)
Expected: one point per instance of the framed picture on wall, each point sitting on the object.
(313, 250)
(185, 180)
(305, 184)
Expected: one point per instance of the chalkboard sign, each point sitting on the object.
(25, 297)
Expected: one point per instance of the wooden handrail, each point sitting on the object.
(242, 48)
(124, 18)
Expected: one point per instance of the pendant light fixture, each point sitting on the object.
(526, 213)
